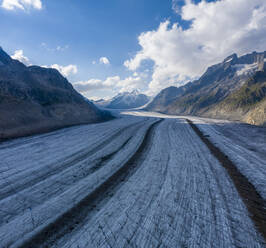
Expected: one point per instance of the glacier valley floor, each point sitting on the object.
(141, 180)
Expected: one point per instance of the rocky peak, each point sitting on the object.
(251, 58)
(135, 92)
(231, 58)
(4, 57)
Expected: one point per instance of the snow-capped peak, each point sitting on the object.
(127, 100)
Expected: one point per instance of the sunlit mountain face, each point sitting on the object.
(233, 89)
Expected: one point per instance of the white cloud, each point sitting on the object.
(177, 5)
(114, 84)
(18, 55)
(91, 84)
(130, 83)
(97, 84)
(21, 4)
(104, 60)
(95, 98)
(64, 70)
(217, 30)
(62, 48)
(55, 49)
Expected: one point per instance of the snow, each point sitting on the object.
(228, 60)
(126, 100)
(127, 97)
(155, 207)
(244, 144)
(178, 195)
(245, 69)
(53, 191)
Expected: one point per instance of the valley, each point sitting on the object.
(133, 124)
(141, 180)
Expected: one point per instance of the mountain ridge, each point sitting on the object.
(124, 100)
(34, 99)
(202, 97)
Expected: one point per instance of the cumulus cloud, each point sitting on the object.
(18, 55)
(217, 30)
(97, 84)
(177, 5)
(64, 70)
(115, 84)
(104, 60)
(130, 83)
(21, 4)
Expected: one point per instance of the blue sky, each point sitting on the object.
(79, 33)
(89, 29)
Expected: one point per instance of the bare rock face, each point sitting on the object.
(35, 99)
(164, 98)
(221, 92)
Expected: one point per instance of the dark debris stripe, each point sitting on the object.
(66, 222)
(255, 204)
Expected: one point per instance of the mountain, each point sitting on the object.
(35, 99)
(125, 100)
(164, 98)
(247, 103)
(101, 102)
(233, 89)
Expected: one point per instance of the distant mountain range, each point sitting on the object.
(35, 99)
(234, 89)
(125, 100)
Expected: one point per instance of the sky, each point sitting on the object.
(110, 46)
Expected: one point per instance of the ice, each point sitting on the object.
(245, 69)
(176, 194)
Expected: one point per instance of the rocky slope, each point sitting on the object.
(125, 100)
(35, 99)
(247, 103)
(233, 89)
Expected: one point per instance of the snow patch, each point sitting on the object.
(245, 69)
(228, 60)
